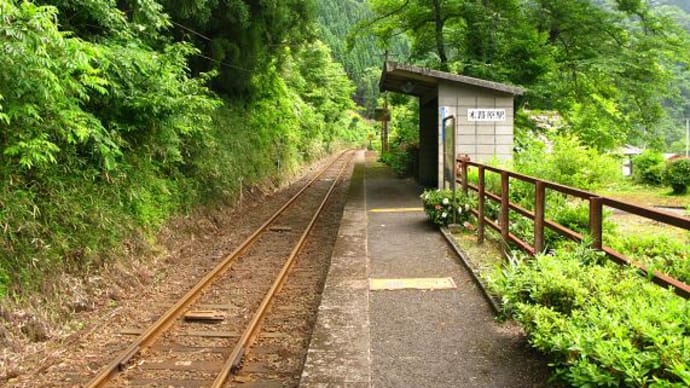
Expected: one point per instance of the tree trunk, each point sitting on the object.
(440, 46)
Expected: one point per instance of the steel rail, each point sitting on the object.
(233, 361)
(168, 318)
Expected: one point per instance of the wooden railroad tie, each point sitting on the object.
(205, 315)
(279, 228)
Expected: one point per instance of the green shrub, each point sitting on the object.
(492, 209)
(439, 206)
(400, 160)
(103, 141)
(568, 162)
(403, 136)
(648, 168)
(677, 175)
(573, 215)
(658, 252)
(492, 180)
(603, 325)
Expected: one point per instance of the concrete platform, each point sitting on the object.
(404, 336)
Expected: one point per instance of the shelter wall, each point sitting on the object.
(481, 140)
(428, 147)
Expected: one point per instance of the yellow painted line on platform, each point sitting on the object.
(412, 283)
(397, 210)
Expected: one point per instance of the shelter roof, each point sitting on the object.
(418, 81)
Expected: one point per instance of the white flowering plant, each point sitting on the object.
(439, 206)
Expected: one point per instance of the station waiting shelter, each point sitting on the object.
(458, 115)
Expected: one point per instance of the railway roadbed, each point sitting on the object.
(200, 338)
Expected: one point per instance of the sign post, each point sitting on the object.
(450, 167)
(687, 137)
(384, 116)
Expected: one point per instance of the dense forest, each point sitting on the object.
(616, 71)
(115, 116)
(599, 74)
(361, 54)
(118, 116)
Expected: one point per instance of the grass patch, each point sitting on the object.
(485, 257)
(645, 195)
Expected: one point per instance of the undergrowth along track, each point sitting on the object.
(201, 339)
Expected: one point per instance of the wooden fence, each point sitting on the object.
(596, 206)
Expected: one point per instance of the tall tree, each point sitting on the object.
(239, 37)
(608, 67)
(360, 52)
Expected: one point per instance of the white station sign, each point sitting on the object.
(482, 114)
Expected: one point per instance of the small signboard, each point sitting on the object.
(484, 114)
(449, 152)
(382, 114)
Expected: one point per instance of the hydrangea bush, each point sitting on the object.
(440, 206)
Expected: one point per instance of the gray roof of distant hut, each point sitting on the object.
(418, 81)
(629, 149)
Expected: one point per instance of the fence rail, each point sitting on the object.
(596, 211)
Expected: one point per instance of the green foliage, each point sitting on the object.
(492, 181)
(614, 70)
(360, 54)
(47, 79)
(239, 38)
(658, 252)
(602, 324)
(648, 167)
(573, 215)
(569, 162)
(107, 130)
(402, 161)
(677, 175)
(403, 128)
(323, 84)
(442, 209)
(403, 136)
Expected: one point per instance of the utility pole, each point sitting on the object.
(687, 137)
(384, 125)
(383, 115)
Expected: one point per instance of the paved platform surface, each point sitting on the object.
(406, 337)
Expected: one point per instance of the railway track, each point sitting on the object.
(206, 337)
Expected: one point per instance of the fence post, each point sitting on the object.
(539, 204)
(480, 192)
(504, 205)
(463, 172)
(595, 221)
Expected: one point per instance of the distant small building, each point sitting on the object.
(479, 112)
(673, 156)
(629, 152)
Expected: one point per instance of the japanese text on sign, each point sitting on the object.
(486, 115)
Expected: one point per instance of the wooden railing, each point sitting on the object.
(596, 206)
